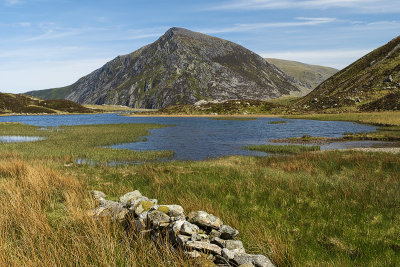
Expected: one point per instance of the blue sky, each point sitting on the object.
(52, 43)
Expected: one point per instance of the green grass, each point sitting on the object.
(305, 209)
(324, 209)
(87, 142)
(285, 149)
(389, 123)
(232, 119)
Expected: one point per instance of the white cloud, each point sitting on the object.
(301, 21)
(332, 58)
(370, 6)
(12, 2)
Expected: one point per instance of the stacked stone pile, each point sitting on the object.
(198, 234)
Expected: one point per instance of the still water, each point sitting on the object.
(201, 138)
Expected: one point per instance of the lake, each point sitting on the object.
(200, 138)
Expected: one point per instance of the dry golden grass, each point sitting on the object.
(43, 222)
(379, 118)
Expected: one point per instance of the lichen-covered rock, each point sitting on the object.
(205, 220)
(256, 260)
(181, 240)
(158, 219)
(261, 261)
(171, 210)
(203, 246)
(112, 209)
(193, 254)
(240, 259)
(218, 241)
(188, 228)
(142, 206)
(234, 244)
(227, 232)
(131, 196)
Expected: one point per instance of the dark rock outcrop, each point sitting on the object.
(181, 67)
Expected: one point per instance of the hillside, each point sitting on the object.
(307, 76)
(11, 103)
(371, 83)
(181, 67)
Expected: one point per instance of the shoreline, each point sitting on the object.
(204, 115)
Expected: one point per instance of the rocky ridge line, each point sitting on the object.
(199, 234)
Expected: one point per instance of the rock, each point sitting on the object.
(205, 220)
(204, 247)
(158, 219)
(181, 240)
(175, 227)
(218, 241)
(247, 265)
(110, 209)
(171, 210)
(193, 254)
(261, 261)
(188, 228)
(97, 194)
(240, 259)
(128, 197)
(228, 232)
(254, 260)
(234, 244)
(227, 254)
(200, 237)
(215, 233)
(143, 206)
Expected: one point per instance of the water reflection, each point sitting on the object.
(19, 138)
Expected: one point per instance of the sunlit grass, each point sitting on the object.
(87, 142)
(376, 118)
(285, 149)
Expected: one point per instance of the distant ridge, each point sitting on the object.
(181, 67)
(371, 83)
(16, 103)
(307, 76)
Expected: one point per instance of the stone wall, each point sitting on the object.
(197, 234)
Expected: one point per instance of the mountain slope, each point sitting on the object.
(367, 84)
(308, 77)
(181, 67)
(11, 103)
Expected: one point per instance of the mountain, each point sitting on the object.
(307, 77)
(370, 83)
(181, 67)
(11, 103)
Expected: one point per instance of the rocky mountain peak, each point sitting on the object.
(182, 67)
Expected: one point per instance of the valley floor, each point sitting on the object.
(335, 208)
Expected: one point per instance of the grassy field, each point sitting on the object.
(377, 118)
(322, 209)
(88, 142)
(285, 149)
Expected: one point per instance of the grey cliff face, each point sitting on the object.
(182, 67)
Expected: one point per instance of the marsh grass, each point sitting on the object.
(277, 122)
(43, 222)
(285, 149)
(306, 209)
(322, 209)
(87, 142)
(389, 118)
